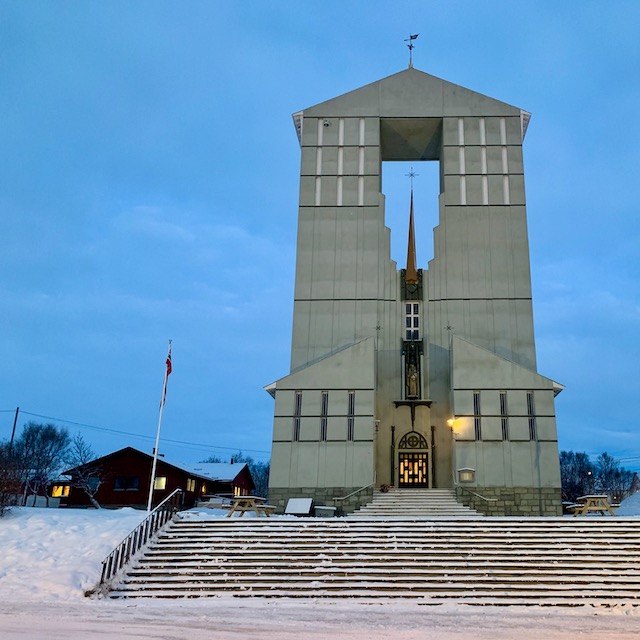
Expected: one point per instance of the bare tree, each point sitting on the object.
(580, 476)
(40, 450)
(9, 478)
(576, 473)
(84, 475)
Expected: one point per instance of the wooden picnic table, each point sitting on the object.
(242, 504)
(598, 503)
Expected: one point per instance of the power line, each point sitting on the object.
(137, 435)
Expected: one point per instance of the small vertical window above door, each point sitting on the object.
(412, 321)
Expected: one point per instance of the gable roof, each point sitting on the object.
(224, 472)
(411, 94)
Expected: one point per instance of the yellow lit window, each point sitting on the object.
(191, 484)
(160, 483)
(60, 491)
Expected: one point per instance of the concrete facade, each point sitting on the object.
(460, 396)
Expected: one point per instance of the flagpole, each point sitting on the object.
(167, 371)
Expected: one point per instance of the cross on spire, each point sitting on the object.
(410, 40)
(412, 174)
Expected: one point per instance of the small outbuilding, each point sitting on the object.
(123, 479)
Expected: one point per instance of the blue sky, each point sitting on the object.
(149, 184)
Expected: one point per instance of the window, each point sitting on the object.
(324, 410)
(191, 484)
(504, 420)
(60, 491)
(477, 425)
(351, 416)
(412, 321)
(297, 410)
(160, 483)
(531, 412)
(126, 483)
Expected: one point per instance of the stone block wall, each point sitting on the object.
(322, 496)
(512, 501)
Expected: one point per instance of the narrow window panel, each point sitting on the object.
(485, 190)
(463, 190)
(483, 132)
(361, 139)
(361, 161)
(505, 190)
(360, 191)
(340, 161)
(407, 308)
(318, 191)
(339, 195)
(505, 162)
(341, 131)
(503, 131)
(461, 131)
(320, 130)
(416, 309)
(318, 161)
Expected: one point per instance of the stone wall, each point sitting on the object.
(514, 501)
(322, 496)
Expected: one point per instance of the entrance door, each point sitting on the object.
(413, 469)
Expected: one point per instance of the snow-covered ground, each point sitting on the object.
(49, 557)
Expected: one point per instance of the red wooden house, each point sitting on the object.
(126, 475)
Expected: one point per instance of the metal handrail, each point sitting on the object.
(121, 555)
(482, 497)
(353, 493)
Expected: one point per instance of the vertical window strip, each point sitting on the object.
(505, 190)
(318, 191)
(485, 190)
(351, 416)
(361, 161)
(461, 160)
(297, 410)
(505, 162)
(504, 420)
(318, 161)
(483, 160)
(340, 161)
(324, 410)
(483, 132)
(503, 131)
(461, 131)
(339, 187)
(320, 130)
(477, 426)
(360, 191)
(341, 132)
(531, 411)
(361, 137)
(463, 190)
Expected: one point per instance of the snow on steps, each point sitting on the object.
(479, 561)
(414, 502)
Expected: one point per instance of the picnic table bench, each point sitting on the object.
(597, 503)
(242, 504)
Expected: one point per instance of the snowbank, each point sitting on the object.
(51, 556)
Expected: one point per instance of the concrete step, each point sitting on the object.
(478, 560)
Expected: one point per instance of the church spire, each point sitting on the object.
(411, 274)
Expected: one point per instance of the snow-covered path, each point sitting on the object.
(49, 557)
(286, 620)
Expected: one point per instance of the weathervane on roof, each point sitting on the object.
(410, 40)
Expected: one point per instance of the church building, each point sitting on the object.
(424, 375)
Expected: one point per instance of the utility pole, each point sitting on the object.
(13, 431)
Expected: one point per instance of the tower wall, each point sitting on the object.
(477, 287)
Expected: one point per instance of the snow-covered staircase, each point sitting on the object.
(411, 503)
(479, 561)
